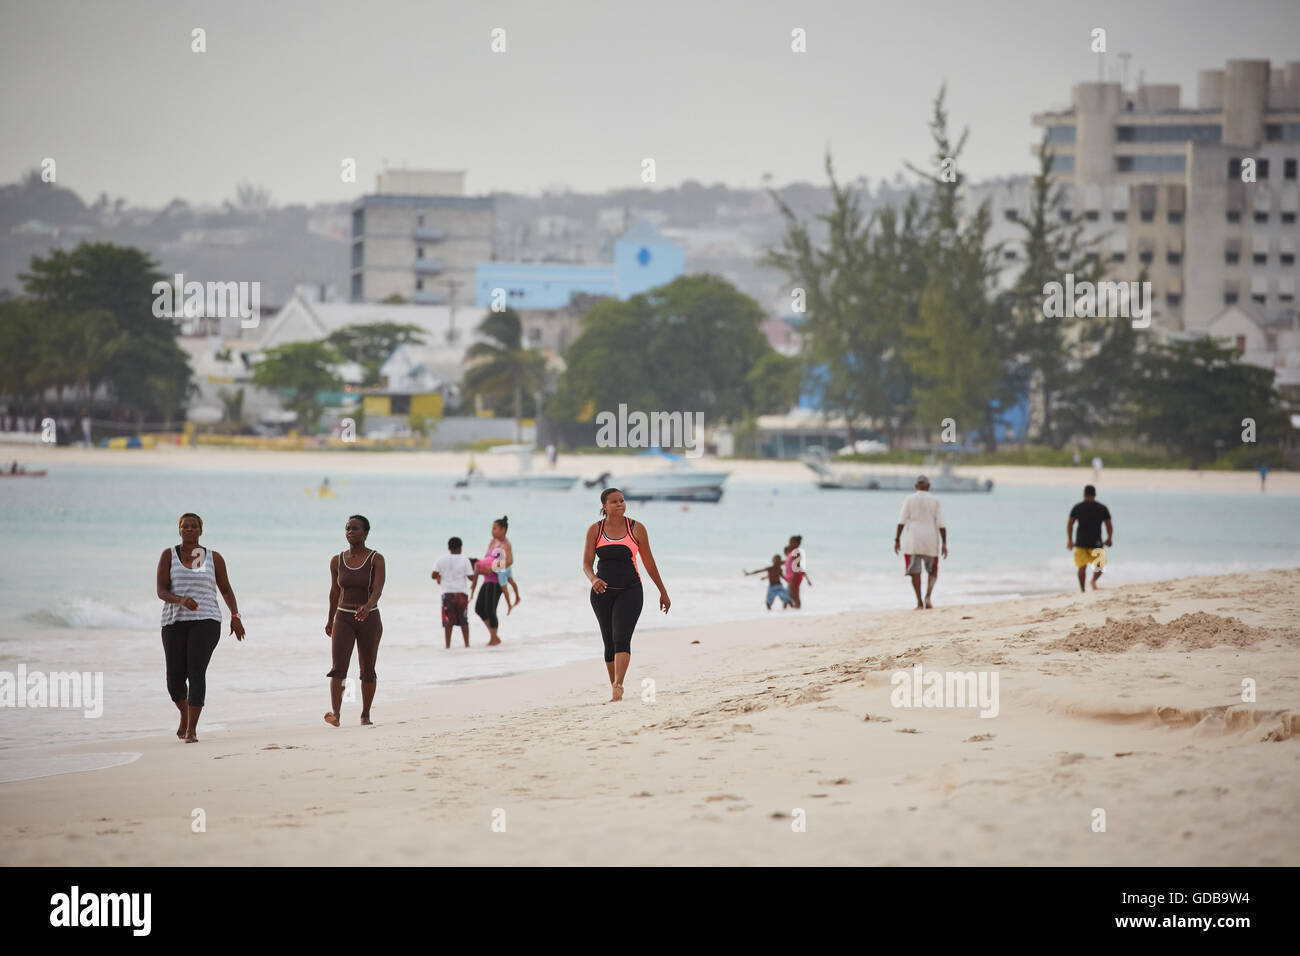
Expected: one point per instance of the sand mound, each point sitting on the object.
(1193, 631)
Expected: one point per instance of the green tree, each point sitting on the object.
(143, 366)
(300, 370)
(686, 346)
(1191, 398)
(774, 384)
(500, 367)
(371, 344)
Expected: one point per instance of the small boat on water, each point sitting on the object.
(17, 472)
(680, 482)
(942, 481)
(526, 478)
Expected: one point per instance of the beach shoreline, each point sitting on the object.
(747, 732)
(446, 464)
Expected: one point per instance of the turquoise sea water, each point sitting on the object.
(81, 546)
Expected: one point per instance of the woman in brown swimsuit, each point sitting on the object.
(356, 582)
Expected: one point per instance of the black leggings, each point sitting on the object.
(188, 646)
(485, 606)
(617, 610)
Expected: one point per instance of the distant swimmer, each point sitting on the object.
(489, 595)
(189, 577)
(927, 539)
(775, 589)
(616, 593)
(454, 572)
(1091, 514)
(1263, 476)
(356, 583)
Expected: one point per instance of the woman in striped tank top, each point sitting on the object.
(616, 594)
(356, 582)
(189, 577)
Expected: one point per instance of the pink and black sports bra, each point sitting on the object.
(617, 558)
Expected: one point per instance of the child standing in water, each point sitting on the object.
(775, 589)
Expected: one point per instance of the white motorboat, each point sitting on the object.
(680, 482)
(526, 478)
(943, 481)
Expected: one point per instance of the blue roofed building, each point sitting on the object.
(642, 260)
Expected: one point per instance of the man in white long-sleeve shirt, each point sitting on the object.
(927, 537)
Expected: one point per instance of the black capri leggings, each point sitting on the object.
(188, 646)
(617, 610)
(485, 605)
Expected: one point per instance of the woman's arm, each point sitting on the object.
(227, 592)
(589, 559)
(334, 594)
(164, 584)
(376, 590)
(643, 544)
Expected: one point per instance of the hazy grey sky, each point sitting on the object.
(585, 90)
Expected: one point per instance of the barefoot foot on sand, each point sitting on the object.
(365, 721)
(191, 738)
(332, 718)
(618, 692)
(494, 642)
(928, 604)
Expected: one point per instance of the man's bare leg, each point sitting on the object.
(929, 586)
(916, 586)
(464, 629)
(1094, 579)
(1083, 578)
(447, 634)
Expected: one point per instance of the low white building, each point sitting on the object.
(1267, 342)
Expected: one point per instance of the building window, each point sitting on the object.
(1200, 133)
(1173, 258)
(1285, 297)
(1260, 258)
(1231, 258)
(419, 285)
(1261, 217)
(1261, 169)
(1060, 134)
(1092, 215)
(1173, 300)
(1175, 216)
(1009, 254)
(1146, 255)
(1234, 167)
(1288, 169)
(1148, 215)
(358, 255)
(1062, 257)
(1234, 215)
(1065, 215)
(358, 222)
(1012, 215)
(1288, 218)
(1119, 215)
(356, 288)
(419, 220)
(1241, 343)
(1287, 258)
(1229, 296)
(1260, 298)
(1150, 164)
(419, 252)
(1062, 164)
(1117, 257)
(1270, 341)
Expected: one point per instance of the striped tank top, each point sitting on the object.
(199, 583)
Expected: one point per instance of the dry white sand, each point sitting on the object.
(752, 729)
(447, 464)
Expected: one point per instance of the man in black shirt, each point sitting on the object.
(1091, 514)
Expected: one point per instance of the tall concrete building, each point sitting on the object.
(1169, 180)
(419, 236)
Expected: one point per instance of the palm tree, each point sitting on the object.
(502, 366)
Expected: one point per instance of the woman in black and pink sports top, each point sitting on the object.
(616, 593)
